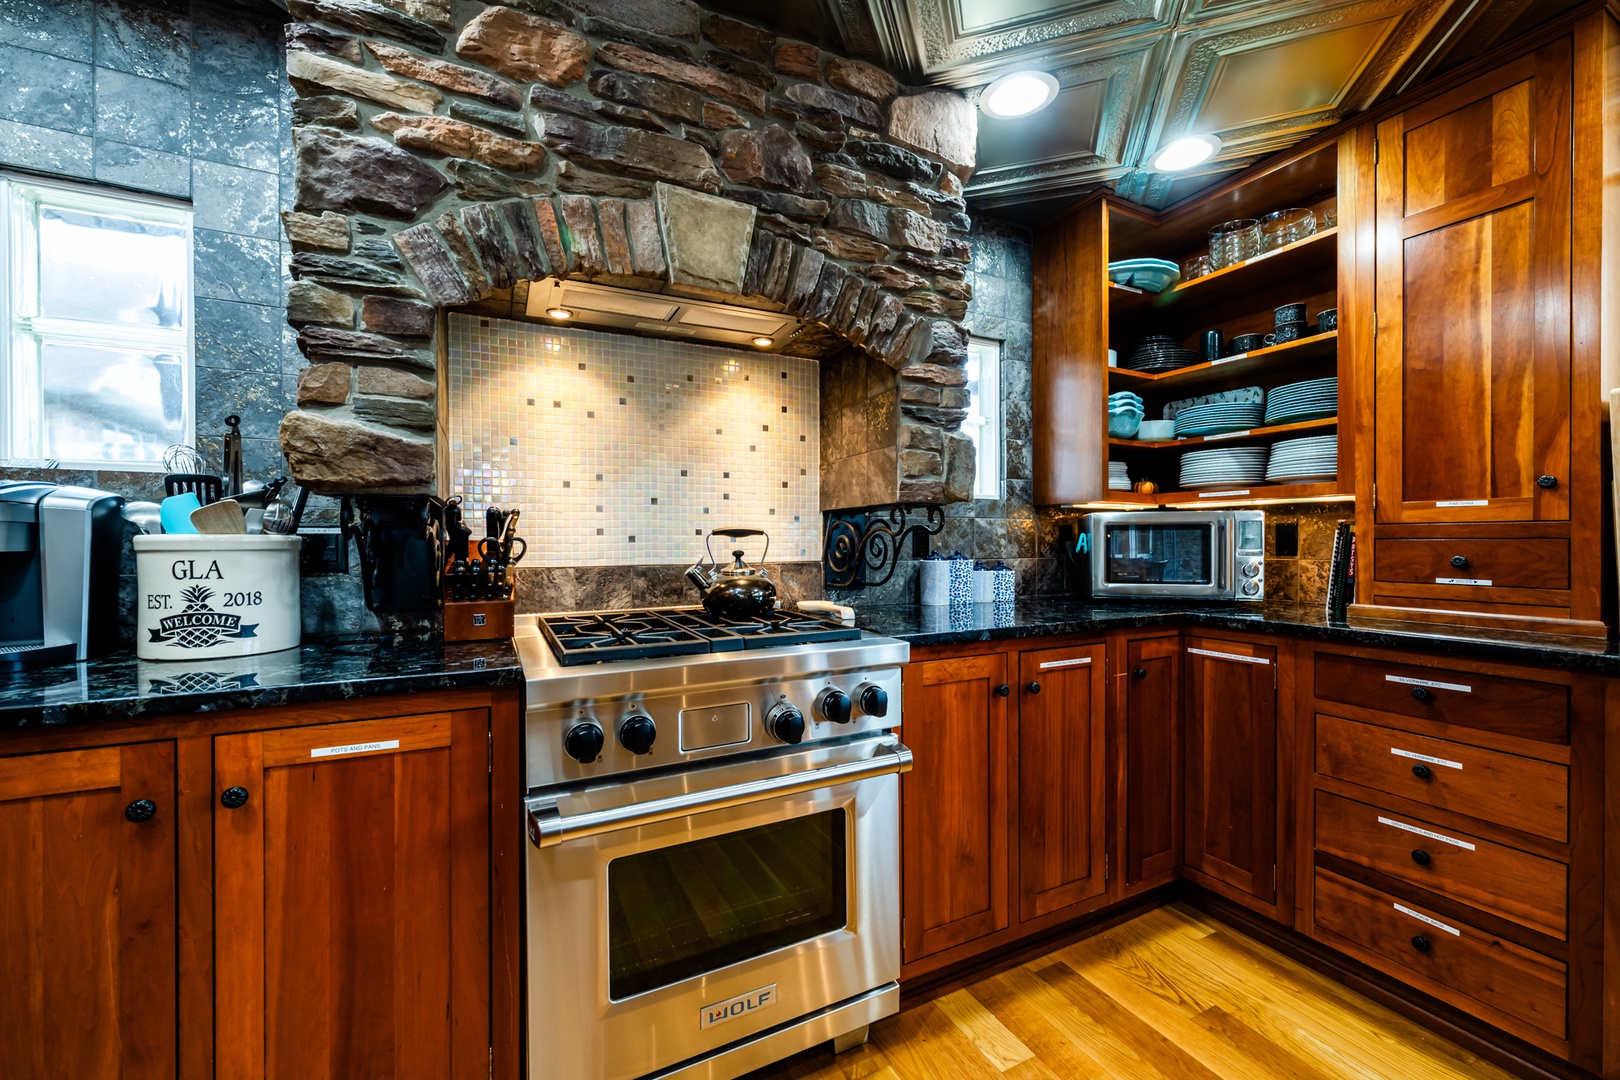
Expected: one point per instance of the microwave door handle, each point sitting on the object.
(548, 828)
(1220, 557)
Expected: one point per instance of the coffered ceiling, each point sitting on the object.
(1134, 75)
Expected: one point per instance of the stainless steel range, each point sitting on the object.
(713, 810)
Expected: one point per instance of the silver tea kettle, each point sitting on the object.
(738, 591)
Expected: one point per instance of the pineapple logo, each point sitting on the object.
(199, 626)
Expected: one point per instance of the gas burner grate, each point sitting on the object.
(640, 635)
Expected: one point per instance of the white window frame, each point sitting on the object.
(21, 401)
(986, 427)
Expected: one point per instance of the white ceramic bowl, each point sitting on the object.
(1156, 430)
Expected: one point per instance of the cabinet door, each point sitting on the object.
(954, 803)
(1473, 300)
(351, 894)
(87, 914)
(1151, 790)
(1231, 763)
(1062, 779)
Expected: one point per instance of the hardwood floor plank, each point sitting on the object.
(999, 1046)
(1170, 995)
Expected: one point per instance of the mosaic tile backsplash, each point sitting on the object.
(622, 449)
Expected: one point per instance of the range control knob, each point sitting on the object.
(833, 705)
(637, 733)
(785, 723)
(874, 700)
(584, 742)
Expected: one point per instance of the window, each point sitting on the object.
(96, 312)
(983, 423)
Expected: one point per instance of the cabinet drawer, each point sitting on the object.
(1495, 563)
(1446, 957)
(1505, 789)
(1523, 888)
(1523, 707)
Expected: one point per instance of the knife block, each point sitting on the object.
(478, 620)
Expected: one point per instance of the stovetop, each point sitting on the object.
(593, 637)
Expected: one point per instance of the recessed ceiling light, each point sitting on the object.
(764, 342)
(1018, 94)
(559, 313)
(1185, 152)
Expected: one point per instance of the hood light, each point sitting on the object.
(1186, 152)
(1018, 94)
(764, 342)
(559, 313)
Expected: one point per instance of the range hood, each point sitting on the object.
(604, 307)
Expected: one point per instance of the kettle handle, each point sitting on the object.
(736, 534)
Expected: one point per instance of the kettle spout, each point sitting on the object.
(699, 577)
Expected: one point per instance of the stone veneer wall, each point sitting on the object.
(447, 151)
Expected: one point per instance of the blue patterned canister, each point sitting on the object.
(1005, 582)
(984, 584)
(934, 581)
(961, 579)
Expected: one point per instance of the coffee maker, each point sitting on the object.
(59, 554)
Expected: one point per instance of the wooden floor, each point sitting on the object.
(1171, 995)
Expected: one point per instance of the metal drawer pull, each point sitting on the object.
(1422, 918)
(1442, 837)
(1229, 656)
(1398, 752)
(547, 828)
(1429, 684)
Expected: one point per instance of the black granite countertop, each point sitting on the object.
(122, 687)
(1038, 617)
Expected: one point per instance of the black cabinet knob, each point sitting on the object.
(1422, 771)
(1033, 687)
(1420, 943)
(1139, 673)
(1421, 857)
(1547, 481)
(1421, 693)
(140, 810)
(1003, 690)
(233, 798)
(1459, 561)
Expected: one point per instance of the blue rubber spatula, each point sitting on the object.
(175, 512)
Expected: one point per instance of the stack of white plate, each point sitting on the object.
(1221, 468)
(1118, 478)
(1313, 400)
(1304, 461)
(1218, 416)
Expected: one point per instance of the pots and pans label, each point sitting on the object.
(355, 748)
(737, 1007)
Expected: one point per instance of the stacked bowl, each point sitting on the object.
(1125, 414)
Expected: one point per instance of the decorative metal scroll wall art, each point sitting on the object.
(862, 547)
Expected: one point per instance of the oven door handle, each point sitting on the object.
(548, 828)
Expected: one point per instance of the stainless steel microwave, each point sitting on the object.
(1171, 555)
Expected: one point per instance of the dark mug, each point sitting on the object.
(1289, 313)
(1328, 320)
(1213, 340)
(1246, 343)
(1287, 332)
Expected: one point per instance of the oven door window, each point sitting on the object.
(689, 909)
(1160, 554)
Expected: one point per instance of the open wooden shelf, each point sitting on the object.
(1304, 268)
(1250, 365)
(1252, 494)
(1259, 434)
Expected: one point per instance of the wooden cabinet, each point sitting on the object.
(1062, 778)
(87, 914)
(955, 802)
(351, 899)
(1148, 677)
(1231, 766)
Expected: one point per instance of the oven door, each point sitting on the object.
(1185, 556)
(674, 915)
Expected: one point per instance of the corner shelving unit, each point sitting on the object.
(1084, 320)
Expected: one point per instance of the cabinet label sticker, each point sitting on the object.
(1461, 581)
(354, 748)
(1461, 688)
(1076, 662)
(1226, 435)
(732, 1008)
(1420, 917)
(1463, 502)
(1229, 656)
(1221, 494)
(1425, 757)
(1392, 823)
